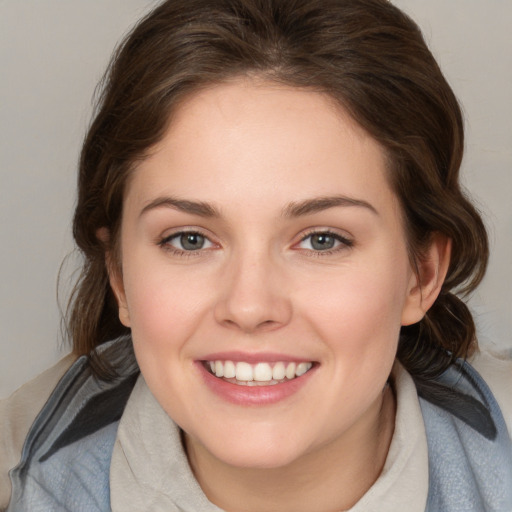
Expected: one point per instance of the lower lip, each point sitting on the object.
(253, 395)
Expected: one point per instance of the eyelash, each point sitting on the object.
(343, 243)
(165, 243)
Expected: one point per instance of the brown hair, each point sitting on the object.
(367, 55)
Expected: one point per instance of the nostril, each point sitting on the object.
(249, 311)
(267, 323)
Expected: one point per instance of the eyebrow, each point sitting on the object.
(199, 208)
(318, 204)
(294, 209)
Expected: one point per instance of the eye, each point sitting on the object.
(324, 241)
(187, 241)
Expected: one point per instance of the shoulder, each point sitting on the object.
(496, 369)
(76, 477)
(73, 433)
(17, 413)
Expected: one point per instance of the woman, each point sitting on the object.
(273, 231)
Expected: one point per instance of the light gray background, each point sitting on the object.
(53, 53)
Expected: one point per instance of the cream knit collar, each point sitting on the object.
(150, 471)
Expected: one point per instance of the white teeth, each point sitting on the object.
(229, 370)
(278, 372)
(260, 372)
(302, 368)
(243, 371)
(219, 369)
(290, 371)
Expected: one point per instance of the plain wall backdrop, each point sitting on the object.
(53, 53)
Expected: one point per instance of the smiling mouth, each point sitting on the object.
(242, 373)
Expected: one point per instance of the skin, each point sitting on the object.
(252, 151)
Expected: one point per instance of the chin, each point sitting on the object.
(255, 459)
(249, 452)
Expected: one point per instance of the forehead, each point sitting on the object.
(265, 141)
(261, 106)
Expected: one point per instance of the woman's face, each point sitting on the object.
(260, 238)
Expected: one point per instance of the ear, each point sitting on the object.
(426, 283)
(115, 276)
(116, 283)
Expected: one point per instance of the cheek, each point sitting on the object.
(165, 311)
(164, 307)
(359, 311)
(358, 317)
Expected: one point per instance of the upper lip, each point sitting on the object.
(254, 357)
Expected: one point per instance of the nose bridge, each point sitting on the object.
(253, 296)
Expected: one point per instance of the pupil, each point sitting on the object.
(192, 241)
(322, 242)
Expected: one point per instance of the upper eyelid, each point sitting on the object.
(326, 231)
(165, 243)
(343, 237)
(169, 234)
(345, 242)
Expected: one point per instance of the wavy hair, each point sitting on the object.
(368, 56)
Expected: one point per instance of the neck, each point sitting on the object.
(331, 478)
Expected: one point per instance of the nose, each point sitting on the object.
(253, 296)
